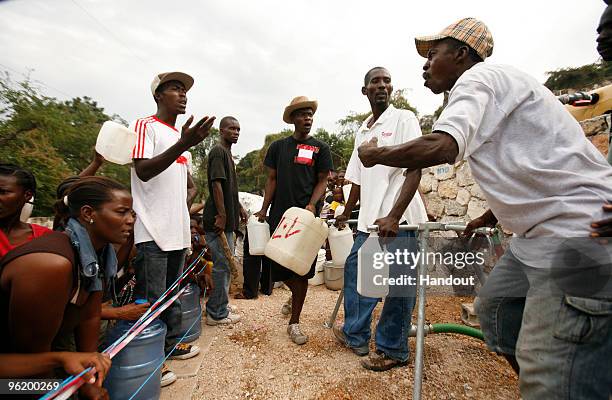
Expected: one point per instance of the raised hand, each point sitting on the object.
(192, 135)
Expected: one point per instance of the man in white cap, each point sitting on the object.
(159, 187)
(297, 166)
(544, 181)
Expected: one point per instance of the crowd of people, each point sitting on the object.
(540, 175)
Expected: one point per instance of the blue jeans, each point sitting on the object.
(394, 322)
(157, 270)
(216, 307)
(562, 343)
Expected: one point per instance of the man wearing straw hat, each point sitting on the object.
(297, 166)
(544, 181)
(159, 186)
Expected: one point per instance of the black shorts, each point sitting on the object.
(281, 274)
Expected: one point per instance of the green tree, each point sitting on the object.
(250, 169)
(199, 154)
(579, 78)
(341, 146)
(54, 139)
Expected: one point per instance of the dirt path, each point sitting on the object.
(256, 360)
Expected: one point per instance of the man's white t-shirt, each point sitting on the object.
(381, 185)
(161, 203)
(541, 177)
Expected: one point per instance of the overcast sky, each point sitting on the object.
(250, 58)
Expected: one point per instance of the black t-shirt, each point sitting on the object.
(221, 167)
(297, 166)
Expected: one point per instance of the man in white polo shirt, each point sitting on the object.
(387, 198)
(546, 182)
(159, 187)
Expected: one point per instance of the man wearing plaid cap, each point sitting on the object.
(545, 182)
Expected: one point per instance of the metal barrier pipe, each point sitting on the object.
(420, 339)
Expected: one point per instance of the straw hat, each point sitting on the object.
(296, 104)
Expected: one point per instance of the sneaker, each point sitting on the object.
(230, 319)
(232, 308)
(296, 334)
(341, 338)
(379, 361)
(167, 377)
(286, 308)
(184, 351)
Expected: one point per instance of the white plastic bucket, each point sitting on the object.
(340, 244)
(115, 143)
(297, 240)
(259, 235)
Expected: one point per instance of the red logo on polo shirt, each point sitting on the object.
(182, 160)
(386, 134)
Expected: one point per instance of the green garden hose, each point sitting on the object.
(455, 328)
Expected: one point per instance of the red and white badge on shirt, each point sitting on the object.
(305, 154)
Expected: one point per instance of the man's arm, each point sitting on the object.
(192, 191)
(389, 225)
(147, 168)
(268, 194)
(218, 198)
(425, 151)
(93, 166)
(318, 192)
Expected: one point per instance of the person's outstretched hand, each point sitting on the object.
(192, 135)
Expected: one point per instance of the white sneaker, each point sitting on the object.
(230, 319)
(286, 308)
(167, 377)
(296, 334)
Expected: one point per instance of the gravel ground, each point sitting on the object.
(255, 359)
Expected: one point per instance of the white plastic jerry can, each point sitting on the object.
(115, 143)
(297, 239)
(340, 244)
(372, 269)
(259, 235)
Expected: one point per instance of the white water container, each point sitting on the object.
(319, 277)
(340, 244)
(297, 240)
(115, 143)
(366, 286)
(259, 235)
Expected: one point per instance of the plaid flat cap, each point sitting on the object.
(470, 31)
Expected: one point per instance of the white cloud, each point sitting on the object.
(249, 58)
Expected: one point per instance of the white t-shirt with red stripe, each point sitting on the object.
(160, 203)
